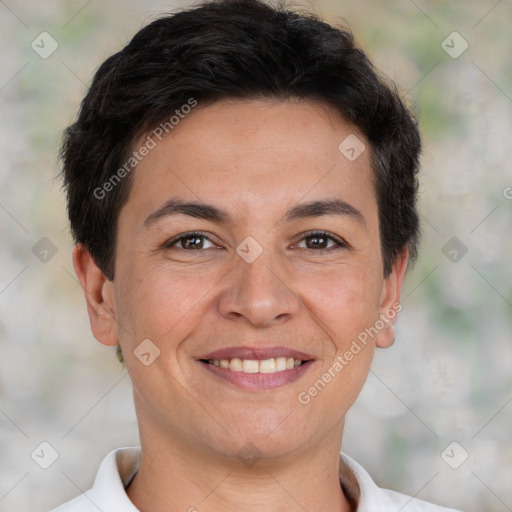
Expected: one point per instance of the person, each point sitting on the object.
(241, 188)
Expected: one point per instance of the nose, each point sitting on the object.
(258, 293)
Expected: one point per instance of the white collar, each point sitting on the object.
(120, 466)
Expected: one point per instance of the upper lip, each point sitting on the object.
(247, 352)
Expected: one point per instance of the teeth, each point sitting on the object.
(250, 366)
(268, 366)
(277, 364)
(281, 364)
(235, 365)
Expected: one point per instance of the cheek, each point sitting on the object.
(344, 302)
(161, 304)
(158, 302)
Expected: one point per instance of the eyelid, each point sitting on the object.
(189, 234)
(340, 242)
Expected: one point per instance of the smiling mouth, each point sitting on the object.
(272, 365)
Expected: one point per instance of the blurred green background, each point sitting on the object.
(448, 376)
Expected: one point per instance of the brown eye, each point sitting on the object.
(191, 242)
(320, 241)
(315, 242)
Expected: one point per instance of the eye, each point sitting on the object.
(316, 240)
(190, 241)
(321, 240)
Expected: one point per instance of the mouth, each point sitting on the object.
(257, 368)
(272, 365)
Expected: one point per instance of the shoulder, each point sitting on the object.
(373, 498)
(406, 503)
(108, 492)
(79, 504)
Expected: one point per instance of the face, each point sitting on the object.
(249, 241)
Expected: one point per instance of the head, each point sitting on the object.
(268, 135)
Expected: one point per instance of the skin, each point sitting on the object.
(255, 160)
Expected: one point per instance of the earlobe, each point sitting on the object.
(390, 300)
(98, 296)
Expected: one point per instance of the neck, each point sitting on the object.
(174, 477)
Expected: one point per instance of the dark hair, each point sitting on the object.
(232, 49)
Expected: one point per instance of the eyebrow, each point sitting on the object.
(212, 213)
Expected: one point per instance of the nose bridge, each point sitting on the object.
(257, 289)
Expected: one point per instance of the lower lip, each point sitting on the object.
(258, 381)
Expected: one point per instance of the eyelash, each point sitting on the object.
(340, 243)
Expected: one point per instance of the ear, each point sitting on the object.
(99, 296)
(390, 305)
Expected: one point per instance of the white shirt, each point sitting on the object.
(120, 466)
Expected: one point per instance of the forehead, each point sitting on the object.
(256, 154)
